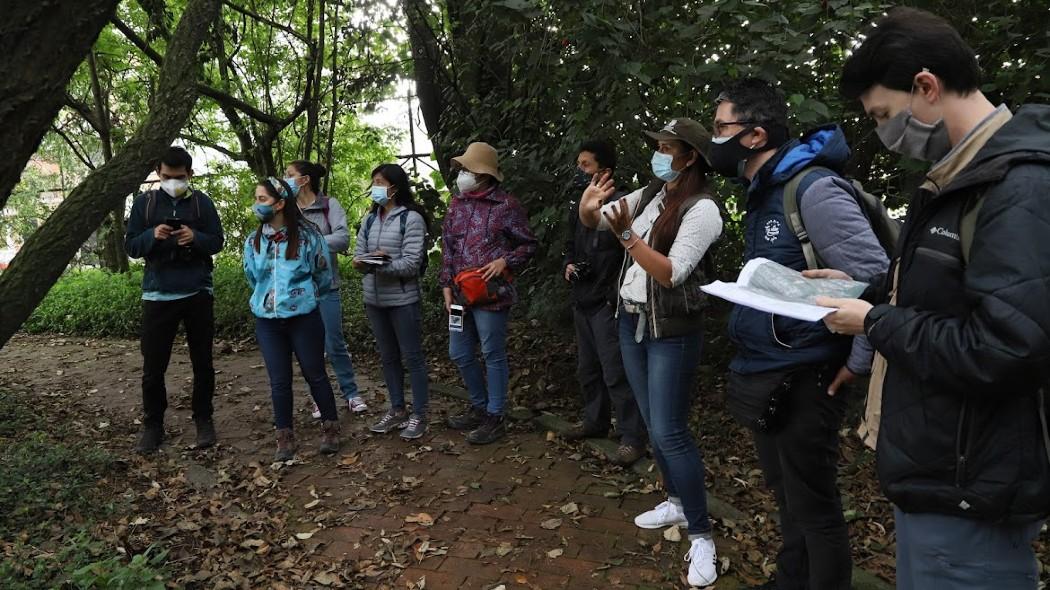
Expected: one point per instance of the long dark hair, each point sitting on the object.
(398, 178)
(293, 219)
(691, 182)
(315, 171)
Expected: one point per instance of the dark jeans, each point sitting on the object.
(602, 378)
(952, 553)
(661, 373)
(160, 322)
(399, 337)
(800, 463)
(302, 335)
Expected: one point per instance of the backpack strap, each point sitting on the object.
(968, 225)
(794, 216)
(324, 209)
(371, 219)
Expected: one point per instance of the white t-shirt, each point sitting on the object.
(700, 227)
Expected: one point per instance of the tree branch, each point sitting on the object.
(84, 111)
(215, 146)
(256, 16)
(137, 41)
(73, 146)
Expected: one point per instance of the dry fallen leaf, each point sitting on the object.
(304, 536)
(422, 518)
(672, 534)
(551, 524)
(504, 548)
(555, 553)
(312, 503)
(570, 508)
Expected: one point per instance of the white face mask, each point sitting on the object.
(466, 181)
(175, 187)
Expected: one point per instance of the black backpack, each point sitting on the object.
(886, 228)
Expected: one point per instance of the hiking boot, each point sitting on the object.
(581, 431)
(701, 558)
(627, 455)
(329, 437)
(205, 433)
(666, 514)
(150, 439)
(394, 419)
(415, 428)
(490, 430)
(468, 420)
(356, 405)
(285, 445)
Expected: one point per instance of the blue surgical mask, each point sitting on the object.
(263, 211)
(380, 194)
(290, 180)
(661, 164)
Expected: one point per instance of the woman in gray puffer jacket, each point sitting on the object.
(397, 227)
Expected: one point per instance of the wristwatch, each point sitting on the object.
(626, 235)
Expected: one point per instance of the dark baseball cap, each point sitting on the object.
(688, 131)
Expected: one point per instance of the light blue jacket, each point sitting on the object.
(284, 288)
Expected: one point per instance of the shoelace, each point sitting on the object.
(413, 422)
(702, 551)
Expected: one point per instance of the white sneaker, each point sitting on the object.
(702, 559)
(664, 515)
(357, 404)
(316, 413)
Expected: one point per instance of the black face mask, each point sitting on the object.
(581, 179)
(728, 156)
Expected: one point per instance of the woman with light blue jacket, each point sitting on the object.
(288, 268)
(396, 227)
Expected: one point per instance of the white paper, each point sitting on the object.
(770, 287)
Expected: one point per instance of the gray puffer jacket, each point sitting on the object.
(396, 283)
(330, 217)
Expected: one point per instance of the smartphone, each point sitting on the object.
(173, 222)
(455, 318)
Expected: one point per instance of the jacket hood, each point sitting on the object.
(1025, 137)
(824, 146)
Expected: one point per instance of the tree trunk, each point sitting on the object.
(425, 64)
(111, 234)
(41, 44)
(46, 253)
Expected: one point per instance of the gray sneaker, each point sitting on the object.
(414, 428)
(393, 420)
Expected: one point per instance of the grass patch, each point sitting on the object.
(50, 498)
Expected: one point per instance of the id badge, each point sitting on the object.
(455, 318)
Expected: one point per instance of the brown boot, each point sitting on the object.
(627, 455)
(329, 437)
(581, 431)
(285, 445)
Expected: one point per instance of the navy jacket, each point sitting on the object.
(767, 342)
(167, 269)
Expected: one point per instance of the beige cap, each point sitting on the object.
(480, 158)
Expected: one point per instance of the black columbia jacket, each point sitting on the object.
(968, 344)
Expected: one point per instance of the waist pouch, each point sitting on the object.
(759, 400)
(473, 290)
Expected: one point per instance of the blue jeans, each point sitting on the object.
(335, 344)
(953, 553)
(304, 336)
(399, 336)
(490, 329)
(661, 373)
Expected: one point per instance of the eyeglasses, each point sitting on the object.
(721, 127)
